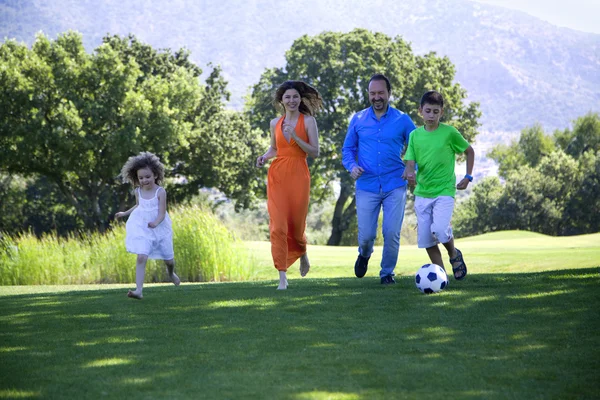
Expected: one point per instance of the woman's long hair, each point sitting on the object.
(311, 100)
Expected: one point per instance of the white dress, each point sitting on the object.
(156, 242)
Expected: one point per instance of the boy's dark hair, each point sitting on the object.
(381, 77)
(432, 97)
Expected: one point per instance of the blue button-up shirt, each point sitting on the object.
(377, 147)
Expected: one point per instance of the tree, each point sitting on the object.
(532, 146)
(339, 65)
(552, 198)
(479, 213)
(220, 147)
(584, 137)
(552, 184)
(34, 204)
(535, 199)
(582, 212)
(50, 127)
(222, 154)
(74, 118)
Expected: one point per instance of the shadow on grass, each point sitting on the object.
(491, 336)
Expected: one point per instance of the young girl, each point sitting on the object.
(148, 229)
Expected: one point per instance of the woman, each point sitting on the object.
(293, 137)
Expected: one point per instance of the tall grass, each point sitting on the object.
(204, 251)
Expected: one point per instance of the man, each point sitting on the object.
(372, 154)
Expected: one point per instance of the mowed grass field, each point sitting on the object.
(523, 324)
(500, 252)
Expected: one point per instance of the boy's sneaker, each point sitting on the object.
(361, 265)
(388, 280)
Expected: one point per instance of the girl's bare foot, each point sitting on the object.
(172, 275)
(304, 265)
(134, 295)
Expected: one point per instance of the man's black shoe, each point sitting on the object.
(360, 266)
(388, 280)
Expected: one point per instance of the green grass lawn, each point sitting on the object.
(524, 324)
(509, 251)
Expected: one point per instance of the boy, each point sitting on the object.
(433, 148)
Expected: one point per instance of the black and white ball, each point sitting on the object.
(431, 278)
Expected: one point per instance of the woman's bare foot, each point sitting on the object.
(283, 284)
(134, 295)
(304, 265)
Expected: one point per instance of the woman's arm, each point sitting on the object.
(272, 150)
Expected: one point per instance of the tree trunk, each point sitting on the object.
(72, 199)
(342, 217)
(97, 214)
(89, 210)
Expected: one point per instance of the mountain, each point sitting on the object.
(521, 69)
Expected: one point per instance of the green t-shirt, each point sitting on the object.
(434, 153)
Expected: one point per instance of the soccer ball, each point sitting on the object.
(431, 278)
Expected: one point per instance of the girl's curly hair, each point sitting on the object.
(143, 160)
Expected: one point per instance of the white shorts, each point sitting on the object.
(433, 220)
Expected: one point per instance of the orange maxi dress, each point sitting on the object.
(288, 193)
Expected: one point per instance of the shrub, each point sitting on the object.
(204, 251)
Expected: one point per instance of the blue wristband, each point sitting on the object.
(469, 177)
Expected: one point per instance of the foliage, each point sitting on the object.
(552, 184)
(204, 251)
(532, 145)
(479, 213)
(222, 155)
(550, 198)
(12, 199)
(582, 212)
(584, 137)
(339, 65)
(535, 198)
(35, 204)
(521, 70)
(73, 118)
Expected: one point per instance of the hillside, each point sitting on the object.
(522, 70)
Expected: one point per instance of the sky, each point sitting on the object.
(581, 15)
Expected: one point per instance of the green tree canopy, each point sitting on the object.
(74, 118)
(479, 213)
(582, 212)
(552, 184)
(535, 198)
(340, 65)
(532, 146)
(584, 137)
